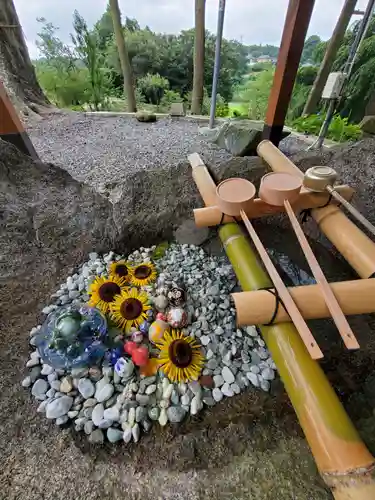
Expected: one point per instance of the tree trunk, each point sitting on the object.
(16, 69)
(123, 55)
(329, 57)
(197, 97)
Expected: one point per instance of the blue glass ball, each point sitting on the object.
(144, 327)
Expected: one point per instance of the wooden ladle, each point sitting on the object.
(283, 292)
(280, 188)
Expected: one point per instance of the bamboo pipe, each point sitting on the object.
(337, 448)
(212, 215)
(257, 308)
(203, 179)
(342, 458)
(357, 249)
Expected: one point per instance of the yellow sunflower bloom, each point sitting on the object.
(103, 291)
(129, 309)
(180, 357)
(143, 274)
(121, 269)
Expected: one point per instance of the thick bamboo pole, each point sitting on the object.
(257, 308)
(337, 448)
(352, 243)
(212, 215)
(341, 456)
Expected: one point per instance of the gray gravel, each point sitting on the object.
(106, 149)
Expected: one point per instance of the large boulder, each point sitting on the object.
(241, 137)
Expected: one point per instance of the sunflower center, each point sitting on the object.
(108, 291)
(181, 353)
(142, 272)
(122, 270)
(131, 309)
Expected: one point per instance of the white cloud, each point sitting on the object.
(255, 21)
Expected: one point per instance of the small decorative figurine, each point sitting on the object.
(137, 337)
(157, 330)
(177, 296)
(177, 317)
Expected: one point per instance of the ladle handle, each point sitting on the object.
(289, 303)
(333, 306)
(349, 207)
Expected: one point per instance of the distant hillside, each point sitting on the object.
(263, 50)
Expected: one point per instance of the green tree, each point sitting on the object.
(86, 43)
(256, 93)
(153, 88)
(309, 48)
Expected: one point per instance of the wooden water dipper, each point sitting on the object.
(322, 179)
(282, 189)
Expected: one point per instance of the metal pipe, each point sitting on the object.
(215, 80)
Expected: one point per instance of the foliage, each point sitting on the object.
(258, 67)
(64, 89)
(309, 48)
(171, 56)
(306, 75)
(263, 50)
(53, 50)
(340, 129)
(87, 46)
(152, 87)
(256, 93)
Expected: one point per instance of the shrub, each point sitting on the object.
(340, 129)
(153, 87)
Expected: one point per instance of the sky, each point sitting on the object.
(250, 21)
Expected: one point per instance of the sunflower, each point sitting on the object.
(129, 309)
(121, 269)
(143, 274)
(180, 357)
(103, 291)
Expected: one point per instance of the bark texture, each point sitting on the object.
(16, 69)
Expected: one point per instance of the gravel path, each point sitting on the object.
(107, 149)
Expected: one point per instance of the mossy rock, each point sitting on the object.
(145, 116)
(241, 137)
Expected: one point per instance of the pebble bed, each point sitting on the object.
(98, 149)
(103, 405)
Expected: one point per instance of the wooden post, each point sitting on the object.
(11, 127)
(295, 29)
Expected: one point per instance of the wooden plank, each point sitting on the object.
(334, 308)
(195, 160)
(289, 303)
(295, 29)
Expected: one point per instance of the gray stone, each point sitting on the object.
(136, 432)
(145, 116)
(176, 414)
(66, 384)
(89, 427)
(114, 435)
(241, 137)
(86, 387)
(62, 420)
(105, 423)
(189, 233)
(368, 125)
(97, 414)
(227, 375)
(177, 109)
(140, 413)
(96, 437)
(142, 399)
(153, 413)
(112, 413)
(89, 402)
(127, 435)
(104, 390)
(227, 390)
(26, 382)
(59, 407)
(39, 389)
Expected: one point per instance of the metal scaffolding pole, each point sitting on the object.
(219, 38)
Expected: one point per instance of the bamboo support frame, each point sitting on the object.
(257, 308)
(342, 458)
(357, 248)
(212, 215)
